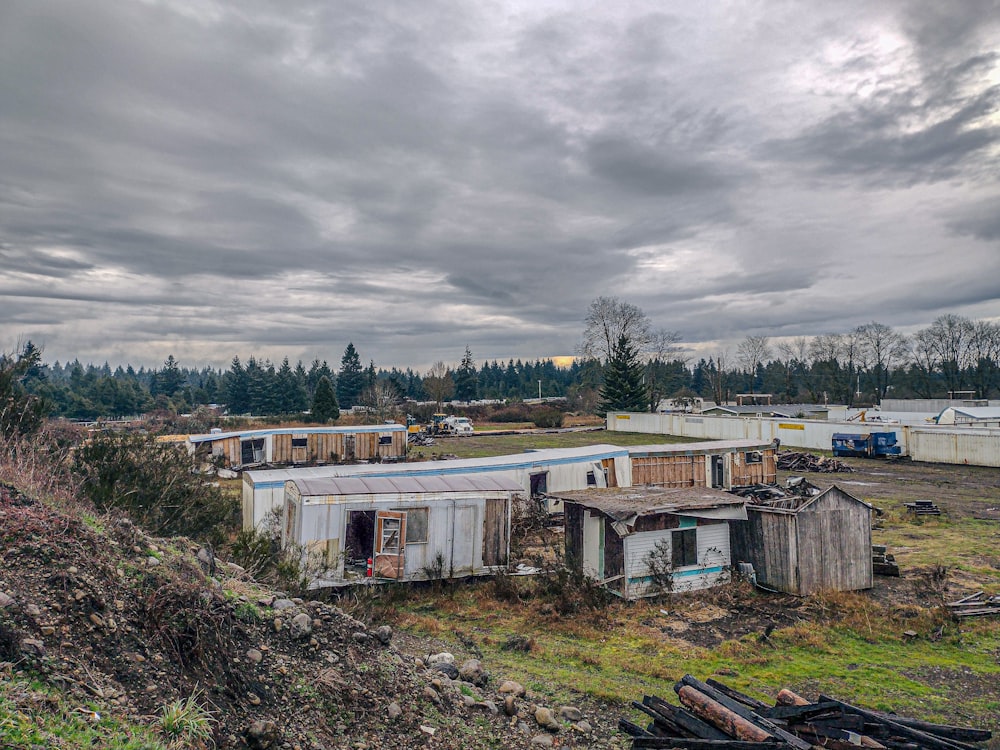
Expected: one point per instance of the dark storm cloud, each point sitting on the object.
(210, 179)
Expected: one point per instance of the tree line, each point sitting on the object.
(623, 363)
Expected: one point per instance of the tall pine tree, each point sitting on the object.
(623, 389)
(351, 379)
(324, 407)
(466, 378)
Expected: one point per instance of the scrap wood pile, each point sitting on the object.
(923, 508)
(801, 461)
(975, 605)
(716, 717)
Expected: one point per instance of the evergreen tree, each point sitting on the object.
(623, 389)
(236, 385)
(324, 407)
(466, 378)
(351, 380)
(168, 380)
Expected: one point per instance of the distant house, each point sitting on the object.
(642, 541)
(722, 464)
(804, 545)
(408, 528)
(970, 416)
(782, 411)
(300, 445)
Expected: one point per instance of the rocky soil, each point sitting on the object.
(130, 624)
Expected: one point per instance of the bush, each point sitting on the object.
(515, 413)
(547, 417)
(153, 483)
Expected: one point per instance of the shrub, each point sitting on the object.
(186, 724)
(153, 483)
(515, 413)
(547, 417)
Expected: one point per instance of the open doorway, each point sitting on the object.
(718, 472)
(359, 543)
(539, 484)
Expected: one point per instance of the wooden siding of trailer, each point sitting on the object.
(713, 553)
(614, 556)
(764, 472)
(573, 536)
(359, 446)
(669, 471)
(834, 545)
(495, 526)
(229, 449)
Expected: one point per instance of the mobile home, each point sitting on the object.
(722, 464)
(349, 529)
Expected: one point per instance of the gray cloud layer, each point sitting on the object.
(209, 179)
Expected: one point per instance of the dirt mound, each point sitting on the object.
(113, 618)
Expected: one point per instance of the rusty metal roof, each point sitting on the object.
(405, 485)
(622, 503)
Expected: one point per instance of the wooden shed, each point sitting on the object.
(804, 545)
(409, 527)
(642, 541)
(723, 464)
(290, 446)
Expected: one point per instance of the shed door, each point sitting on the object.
(463, 545)
(349, 448)
(390, 543)
(495, 532)
(718, 472)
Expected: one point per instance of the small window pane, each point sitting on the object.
(684, 548)
(416, 525)
(300, 442)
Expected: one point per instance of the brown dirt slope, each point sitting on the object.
(128, 624)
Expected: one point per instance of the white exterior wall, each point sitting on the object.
(975, 447)
(261, 498)
(455, 528)
(714, 560)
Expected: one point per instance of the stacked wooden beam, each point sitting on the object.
(716, 717)
(975, 605)
(884, 562)
(923, 508)
(800, 461)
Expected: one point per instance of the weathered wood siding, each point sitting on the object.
(669, 471)
(573, 535)
(824, 545)
(835, 544)
(763, 472)
(496, 527)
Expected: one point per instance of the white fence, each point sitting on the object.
(949, 445)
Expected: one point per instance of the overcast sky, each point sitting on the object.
(211, 179)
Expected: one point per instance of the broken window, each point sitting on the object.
(416, 524)
(591, 479)
(390, 536)
(539, 484)
(385, 440)
(252, 451)
(754, 457)
(300, 442)
(684, 548)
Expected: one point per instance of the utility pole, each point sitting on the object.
(539, 390)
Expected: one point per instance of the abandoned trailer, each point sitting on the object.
(300, 445)
(723, 464)
(643, 541)
(405, 528)
(801, 545)
(538, 473)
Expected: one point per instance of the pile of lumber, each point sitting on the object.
(975, 605)
(801, 461)
(923, 508)
(716, 717)
(884, 562)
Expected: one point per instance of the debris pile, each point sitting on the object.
(716, 717)
(883, 562)
(975, 605)
(923, 508)
(800, 461)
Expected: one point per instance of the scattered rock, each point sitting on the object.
(394, 711)
(542, 740)
(97, 620)
(488, 706)
(33, 610)
(432, 695)
(447, 669)
(301, 625)
(206, 557)
(444, 656)
(32, 646)
(510, 705)
(152, 562)
(255, 656)
(262, 735)
(472, 671)
(48, 630)
(360, 637)
(583, 727)
(280, 604)
(511, 687)
(570, 713)
(384, 634)
(6, 601)
(545, 719)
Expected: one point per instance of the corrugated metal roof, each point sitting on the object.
(526, 460)
(346, 429)
(405, 485)
(625, 502)
(976, 412)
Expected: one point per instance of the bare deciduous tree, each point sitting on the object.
(608, 319)
(881, 348)
(381, 399)
(753, 352)
(438, 383)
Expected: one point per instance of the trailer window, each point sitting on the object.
(390, 536)
(591, 479)
(754, 457)
(416, 524)
(385, 440)
(252, 451)
(300, 442)
(684, 548)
